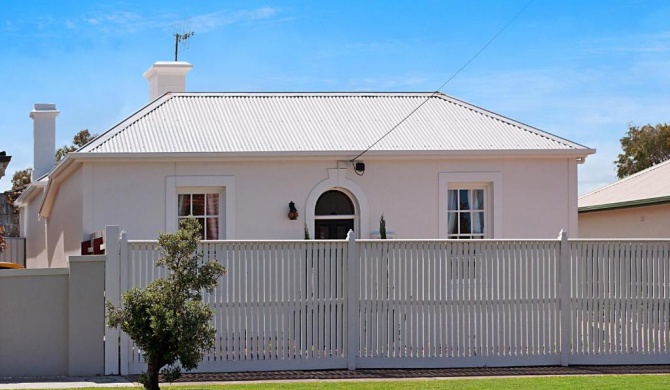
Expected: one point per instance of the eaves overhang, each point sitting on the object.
(340, 154)
(55, 178)
(33, 189)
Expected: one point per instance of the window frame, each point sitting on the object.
(220, 213)
(494, 198)
(486, 209)
(223, 185)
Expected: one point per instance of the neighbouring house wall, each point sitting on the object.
(9, 218)
(64, 224)
(52, 320)
(538, 199)
(633, 222)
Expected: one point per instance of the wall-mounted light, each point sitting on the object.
(292, 211)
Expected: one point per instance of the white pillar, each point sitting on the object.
(353, 330)
(566, 312)
(113, 295)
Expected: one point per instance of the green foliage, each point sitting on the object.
(382, 227)
(21, 178)
(168, 320)
(80, 139)
(306, 232)
(642, 148)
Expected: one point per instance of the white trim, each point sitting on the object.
(174, 183)
(493, 179)
(87, 204)
(573, 199)
(337, 180)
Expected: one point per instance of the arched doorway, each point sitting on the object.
(334, 215)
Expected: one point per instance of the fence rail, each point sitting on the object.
(425, 303)
(15, 251)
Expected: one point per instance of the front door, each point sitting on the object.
(333, 229)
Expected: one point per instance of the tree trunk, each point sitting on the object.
(153, 368)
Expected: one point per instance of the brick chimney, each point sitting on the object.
(165, 77)
(44, 138)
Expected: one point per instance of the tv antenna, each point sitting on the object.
(180, 38)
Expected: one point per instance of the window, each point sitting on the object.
(466, 213)
(205, 208)
(211, 199)
(482, 195)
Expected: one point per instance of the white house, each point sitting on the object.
(236, 160)
(637, 206)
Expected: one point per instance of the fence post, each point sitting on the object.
(113, 295)
(352, 300)
(565, 304)
(123, 267)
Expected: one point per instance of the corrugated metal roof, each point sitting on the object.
(318, 122)
(644, 187)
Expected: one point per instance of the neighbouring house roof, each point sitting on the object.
(4, 161)
(295, 123)
(647, 187)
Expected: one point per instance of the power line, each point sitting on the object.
(445, 83)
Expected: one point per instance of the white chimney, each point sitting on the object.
(165, 77)
(44, 138)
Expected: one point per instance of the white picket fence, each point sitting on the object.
(419, 303)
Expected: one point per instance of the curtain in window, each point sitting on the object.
(184, 205)
(212, 223)
(477, 203)
(452, 212)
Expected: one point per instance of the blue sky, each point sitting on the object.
(582, 70)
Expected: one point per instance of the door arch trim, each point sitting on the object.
(337, 180)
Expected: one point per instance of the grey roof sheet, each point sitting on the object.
(318, 122)
(647, 185)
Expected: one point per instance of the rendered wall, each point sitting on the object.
(33, 322)
(52, 320)
(634, 222)
(34, 230)
(539, 196)
(64, 225)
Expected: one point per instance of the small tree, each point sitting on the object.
(80, 139)
(643, 147)
(382, 227)
(21, 178)
(168, 320)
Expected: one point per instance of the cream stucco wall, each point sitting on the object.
(633, 222)
(538, 199)
(34, 230)
(64, 224)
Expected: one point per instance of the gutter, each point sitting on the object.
(625, 204)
